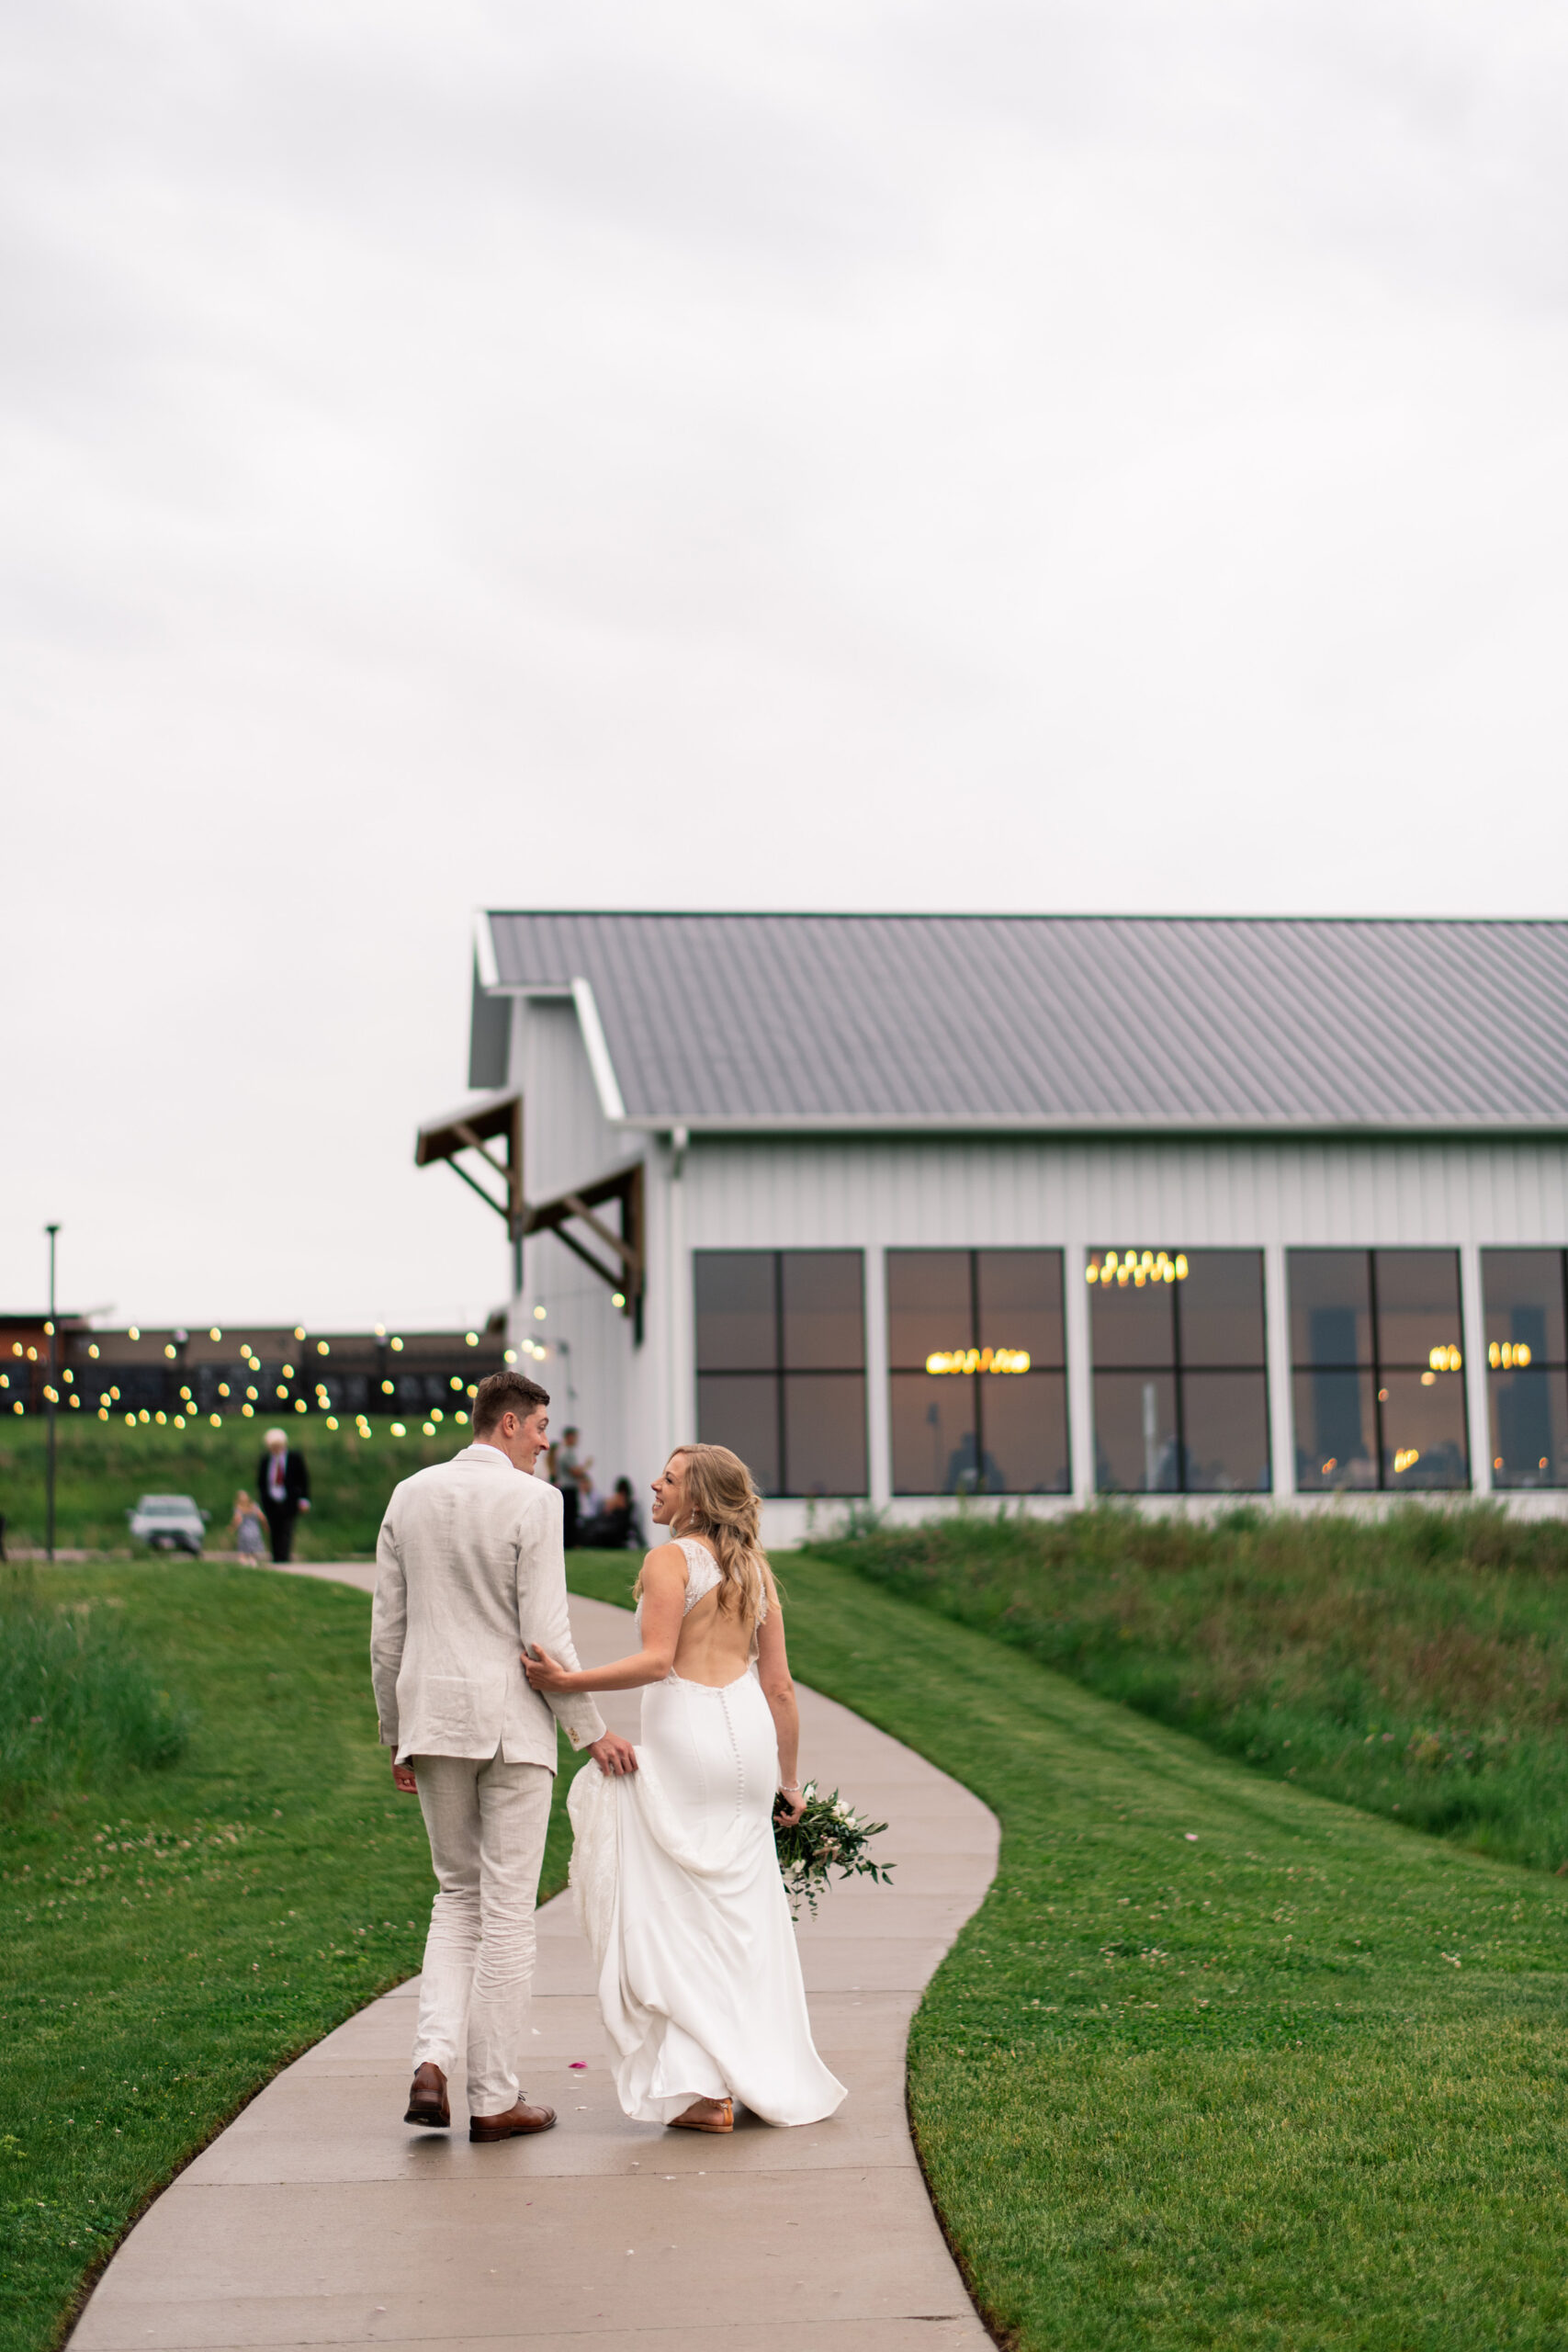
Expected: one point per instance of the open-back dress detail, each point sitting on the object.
(677, 1885)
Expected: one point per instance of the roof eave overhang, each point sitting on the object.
(1095, 1128)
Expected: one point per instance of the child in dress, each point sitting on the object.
(248, 1528)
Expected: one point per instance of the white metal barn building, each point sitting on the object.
(905, 1207)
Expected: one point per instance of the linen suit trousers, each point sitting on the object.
(486, 1825)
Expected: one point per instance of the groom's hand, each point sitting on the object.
(402, 1778)
(613, 1754)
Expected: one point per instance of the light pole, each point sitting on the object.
(51, 1395)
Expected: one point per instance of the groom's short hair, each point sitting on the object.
(505, 1392)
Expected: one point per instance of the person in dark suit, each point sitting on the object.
(283, 1483)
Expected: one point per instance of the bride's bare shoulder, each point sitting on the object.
(665, 1563)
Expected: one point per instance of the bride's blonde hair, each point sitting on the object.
(725, 1509)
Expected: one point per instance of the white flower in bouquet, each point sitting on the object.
(830, 1835)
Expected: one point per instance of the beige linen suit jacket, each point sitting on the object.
(469, 1566)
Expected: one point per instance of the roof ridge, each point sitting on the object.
(941, 915)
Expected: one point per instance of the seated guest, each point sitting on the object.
(615, 1526)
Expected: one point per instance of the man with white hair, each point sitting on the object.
(283, 1484)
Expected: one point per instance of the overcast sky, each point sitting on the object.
(1100, 456)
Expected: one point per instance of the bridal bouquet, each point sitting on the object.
(830, 1835)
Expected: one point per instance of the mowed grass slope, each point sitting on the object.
(1415, 1666)
(171, 1938)
(104, 1467)
(1217, 2063)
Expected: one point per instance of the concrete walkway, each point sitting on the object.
(318, 2218)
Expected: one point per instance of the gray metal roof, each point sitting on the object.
(1064, 1023)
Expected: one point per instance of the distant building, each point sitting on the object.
(912, 1207)
(258, 1371)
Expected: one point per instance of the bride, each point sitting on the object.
(674, 1865)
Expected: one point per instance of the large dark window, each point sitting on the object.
(1180, 1392)
(781, 1365)
(1527, 1365)
(976, 1367)
(1377, 1369)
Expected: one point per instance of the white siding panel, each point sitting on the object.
(794, 1194)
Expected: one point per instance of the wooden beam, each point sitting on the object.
(571, 1241)
(623, 1249)
(625, 1186)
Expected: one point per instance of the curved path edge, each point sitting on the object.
(318, 2218)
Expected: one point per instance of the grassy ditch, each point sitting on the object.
(1416, 1667)
(103, 1467)
(1217, 2063)
(189, 1896)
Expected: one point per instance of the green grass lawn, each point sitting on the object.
(103, 1467)
(172, 1937)
(1415, 1667)
(1218, 2063)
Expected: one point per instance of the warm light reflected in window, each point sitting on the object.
(979, 1360)
(1509, 1355)
(1138, 1266)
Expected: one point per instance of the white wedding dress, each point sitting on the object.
(677, 1891)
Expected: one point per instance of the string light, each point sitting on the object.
(1450, 1360)
(1406, 1458)
(1509, 1355)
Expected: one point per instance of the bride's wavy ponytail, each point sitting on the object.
(724, 1508)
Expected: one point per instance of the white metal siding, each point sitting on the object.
(912, 1194)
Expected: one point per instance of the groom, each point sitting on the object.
(469, 1566)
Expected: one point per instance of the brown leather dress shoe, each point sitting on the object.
(513, 2124)
(427, 2101)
